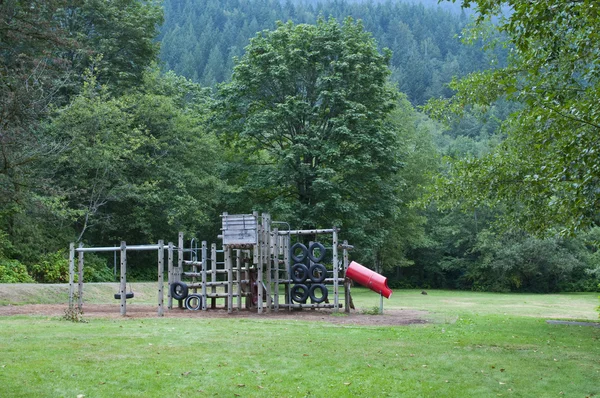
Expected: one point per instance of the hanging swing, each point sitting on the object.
(128, 295)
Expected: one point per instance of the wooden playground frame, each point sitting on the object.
(257, 260)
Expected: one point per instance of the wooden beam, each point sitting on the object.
(161, 282)
(80, 281)
(204, 265)
(336, 298)
(170, 276)
(71, 274)
(123, 287)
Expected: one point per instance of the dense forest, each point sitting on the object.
(131, 120)
(201, 40)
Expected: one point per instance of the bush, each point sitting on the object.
(95, 269)
(522, 263)
(54, 268)
(5, 245)
(12, 271)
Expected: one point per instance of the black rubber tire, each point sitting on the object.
(189, 300)
(179, 290)
(303, 254)
(311, 252)
(317, 273)
(313, 297)
(299, 273)
(127, 295)
(299, 293)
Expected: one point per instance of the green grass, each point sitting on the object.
(478, 345)
(440, 302)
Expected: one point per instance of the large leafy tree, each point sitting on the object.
(139, 166)
(306, 112)
(102, 144)
(31, 69)
(115, 38)
(46, 50)
(547, 171)
(177, 186)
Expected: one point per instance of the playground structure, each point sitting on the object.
(259, 267)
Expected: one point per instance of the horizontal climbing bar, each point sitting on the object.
(310, 305)
(118, 248)
(97, 249)
(197, 263)
(308, 232)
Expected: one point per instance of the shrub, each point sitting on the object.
(51, 268)
(54, 268)
(521, 263)
(5, 245)
(96, 270)
(12, 271)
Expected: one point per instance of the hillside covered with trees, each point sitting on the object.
(130, 120)
(200, 40)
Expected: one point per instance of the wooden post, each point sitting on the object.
(247, 299)
(161, 271)
(204, 259)
(177, 273)
(275, 242)
(255, 249)
(80, 280)
(229, 267)
(213, 273)
(194, 266)
(71, 274)
(286, 270)
(259, 268)
(334, 250)
(310, 264)
(238, 276)
(170, 276)
(346, 280)
(123, 288)
(179, 269)
(268, 255)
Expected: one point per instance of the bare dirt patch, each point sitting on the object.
(389, 318)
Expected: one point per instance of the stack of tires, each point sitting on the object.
(180, 291)
(307, 273)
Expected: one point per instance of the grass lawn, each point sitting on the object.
(476, 345)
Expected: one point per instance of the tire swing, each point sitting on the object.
(179, 290)
(193, 302)
(320, 252)
(298, 257)
(127, 295)
(299, 293)
(322, 297)
(299, 273)
(317, 273)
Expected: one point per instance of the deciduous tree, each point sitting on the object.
(307, 107)
(547, 172)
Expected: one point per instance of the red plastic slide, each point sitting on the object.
(369, 278)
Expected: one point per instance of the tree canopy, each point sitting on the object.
(308, 105)
(201, 38)
(101, 142)
(547, 172)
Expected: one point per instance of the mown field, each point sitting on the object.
(473, 345)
